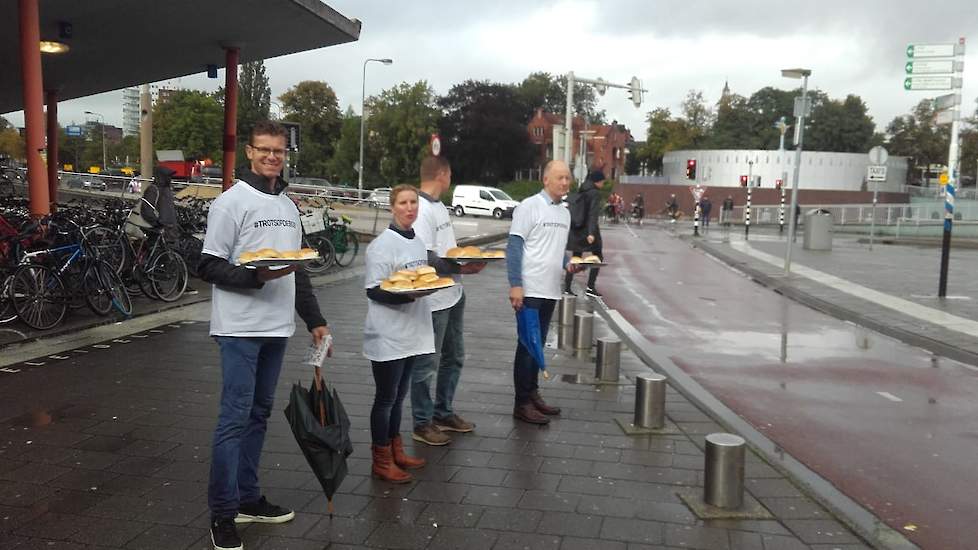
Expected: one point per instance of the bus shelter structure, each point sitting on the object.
(102, 45)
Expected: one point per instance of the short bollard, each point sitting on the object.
(583, 330)
(608, 359)
(566, 309)
(650, 401)
(723, 482)
(565, 337)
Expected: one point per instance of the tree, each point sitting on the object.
(697, 118)
(484, 131)
(917, 136)
(541, 89)
(735, 126)
(190, 121)
(842, 126)
(401, 122)
(666, 133)
(312, 103)
(11, 144)
(254, 98)
(346, 152)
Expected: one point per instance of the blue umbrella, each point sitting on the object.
(528, 331)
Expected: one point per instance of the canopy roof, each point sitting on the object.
(120, 43)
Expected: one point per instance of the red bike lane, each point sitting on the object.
(890, 425)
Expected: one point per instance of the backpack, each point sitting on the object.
(577, 204)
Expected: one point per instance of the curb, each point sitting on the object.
(851, 513)
(839, 312)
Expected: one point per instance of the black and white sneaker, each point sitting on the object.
(592, 292)
(224, 535)
(263, 512)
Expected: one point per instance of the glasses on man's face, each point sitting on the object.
(266, 151)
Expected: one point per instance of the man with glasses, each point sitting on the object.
(252, 320)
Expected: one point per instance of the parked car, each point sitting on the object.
(86, 182)
(380, 197)
(478, 200)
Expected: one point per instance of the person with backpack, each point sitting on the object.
(585, 235)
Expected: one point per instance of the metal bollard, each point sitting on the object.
(650, 401)
(583, 330)
(608, 360)
(723, 483)
(565, 337)
(566, 309)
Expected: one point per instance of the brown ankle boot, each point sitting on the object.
(384, 466)
(542, 406)
(528, 413)
(402, 459)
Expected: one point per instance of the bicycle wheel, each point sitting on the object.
(38, 296)
(108, 245)
(96, 294)
(190, 247)
(326, 253)
(167, 274)
(7, 312)
(346, 245)
(110, 280)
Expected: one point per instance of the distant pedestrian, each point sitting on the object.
(672, 208)
(585, 234)
(535, 260)
(705, 208)
(726, 210)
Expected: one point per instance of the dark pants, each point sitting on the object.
(525, 370)
(250, 369)
(592, 277)
(392, 380)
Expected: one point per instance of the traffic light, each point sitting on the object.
(635, 92)
(777, 184)
(691, 169)
(743, 181)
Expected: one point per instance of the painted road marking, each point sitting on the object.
(9, 370)
(889, 396)
(630, 231)
(156, 331)
(35, 363)
(121, 341)
(101, 346)
(924, 313)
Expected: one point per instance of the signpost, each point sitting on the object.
(876, 172)
(73, 131)
(949, 111)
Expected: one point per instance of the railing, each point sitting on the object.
(856, 214)
(937, 192)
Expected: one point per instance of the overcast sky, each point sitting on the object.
(851, 46)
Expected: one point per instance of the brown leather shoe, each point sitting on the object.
(454, 423)
(430, 435)
(402, 459)
(384, 467)
(542, 406)
(528, 413)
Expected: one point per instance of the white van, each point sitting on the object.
(482, 201)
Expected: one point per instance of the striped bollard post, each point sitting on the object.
(781, 212)
(696, 219)
(747, 216)
(949, 194)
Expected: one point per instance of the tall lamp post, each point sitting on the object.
(100, 115)
(363, 120)
(801, 109)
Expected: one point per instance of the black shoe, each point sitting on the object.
(263, 512)
(190, 291)
(224, 534)
(593, 292)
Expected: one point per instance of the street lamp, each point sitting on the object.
(363, 120)
(100, 115)
(800, 111)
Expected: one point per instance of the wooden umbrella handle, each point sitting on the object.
(318, 381)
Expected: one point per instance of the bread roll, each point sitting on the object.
(576, 259)
(308, 253)
(425, 269)
(289, 254)
(592, 260)
(472, 252)
(428, 277)
(443, 282)
(409, 273)
(455, 252)
(267, 253)
(403, 285)
(246, 257)
(386, 285)
(398, 277)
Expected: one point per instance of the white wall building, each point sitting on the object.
(130, 112)
(819, 170)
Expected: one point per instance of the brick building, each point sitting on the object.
(607, 144)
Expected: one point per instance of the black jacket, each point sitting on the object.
(159, 195)
(222, 272)
(577, 238)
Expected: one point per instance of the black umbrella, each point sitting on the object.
(322, 429)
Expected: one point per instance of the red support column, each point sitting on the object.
(230, 114)
(53, 161)
(30, 63)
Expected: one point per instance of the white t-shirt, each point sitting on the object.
(543, 226)
(245, 219)
(396, 331)
(434, 227)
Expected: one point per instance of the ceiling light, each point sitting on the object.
(53, 46)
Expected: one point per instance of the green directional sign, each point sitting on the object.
(929, 82)
(938, 66)
(931, 50)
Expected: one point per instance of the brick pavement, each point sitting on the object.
(109, 448)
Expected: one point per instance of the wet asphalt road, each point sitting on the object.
(889, 424)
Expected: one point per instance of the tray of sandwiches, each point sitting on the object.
(587, 261)
(269, 257)
(416, 282)
(468, 254)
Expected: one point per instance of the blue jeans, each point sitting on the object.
(447, 361)
(525, 370)
(250, 369)
(391, 379)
